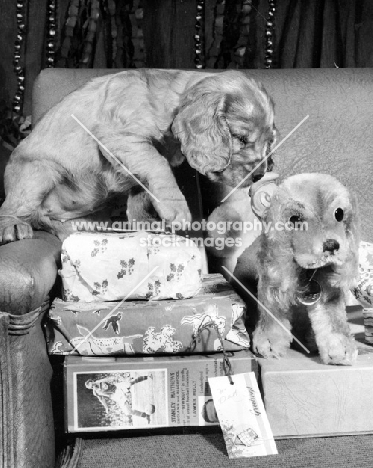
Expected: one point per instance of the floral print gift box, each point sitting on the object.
(134, 265)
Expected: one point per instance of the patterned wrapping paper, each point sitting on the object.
(151, 327)
(364, 290)
(110, 266)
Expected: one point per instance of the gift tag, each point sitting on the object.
(242, 416)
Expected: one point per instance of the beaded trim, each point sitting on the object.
(199, 37)
(136, 17)
(19, 48)
(270, 35)
(51, 35)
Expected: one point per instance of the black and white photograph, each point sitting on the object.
(186, 192)
(120, 400)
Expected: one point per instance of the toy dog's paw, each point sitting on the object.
(340, 350)
(270, 347)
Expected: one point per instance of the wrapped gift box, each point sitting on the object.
(151, 327)
(305, 398)
(105, 394)
(368, 325)
(112, 266)
(364, 288)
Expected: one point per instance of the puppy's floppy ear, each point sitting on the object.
(201, 127)
(271, 146)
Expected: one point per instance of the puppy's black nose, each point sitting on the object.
(257, 177)
(330, 245)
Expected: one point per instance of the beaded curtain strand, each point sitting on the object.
(51, 33)
(199, 41)
(270, 36)
(19, 51)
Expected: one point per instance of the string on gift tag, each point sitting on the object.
(206, 324)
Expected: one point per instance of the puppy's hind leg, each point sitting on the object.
(26, 184)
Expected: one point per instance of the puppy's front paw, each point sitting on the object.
(339, 350)
(270, 345)
(173, 211)
(13, 232)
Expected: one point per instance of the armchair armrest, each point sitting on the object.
(28, 270)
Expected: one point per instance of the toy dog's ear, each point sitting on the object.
(276, 266)
(200, 125)
(280, 200)
(261, 194)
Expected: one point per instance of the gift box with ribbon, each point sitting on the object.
(214, 318)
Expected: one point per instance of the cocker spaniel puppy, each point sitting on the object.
(308, 261)
(141, 123)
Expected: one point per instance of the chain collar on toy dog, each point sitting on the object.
(309, 294)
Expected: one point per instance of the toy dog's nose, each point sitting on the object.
(330, 245)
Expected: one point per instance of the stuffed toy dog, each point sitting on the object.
(307, 261)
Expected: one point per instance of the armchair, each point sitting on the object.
(28, 272)
(336, 138)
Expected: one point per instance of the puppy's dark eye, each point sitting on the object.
(295, 219)
(338, 214)
(242, 139)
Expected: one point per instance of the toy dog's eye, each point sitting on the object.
(295, 219)
(338, 214)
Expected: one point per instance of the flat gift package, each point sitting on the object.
(305, 398)
(133, 265)
(151, 327)
(106, 394)
(364, 288)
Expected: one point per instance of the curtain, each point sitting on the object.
(316, 34)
